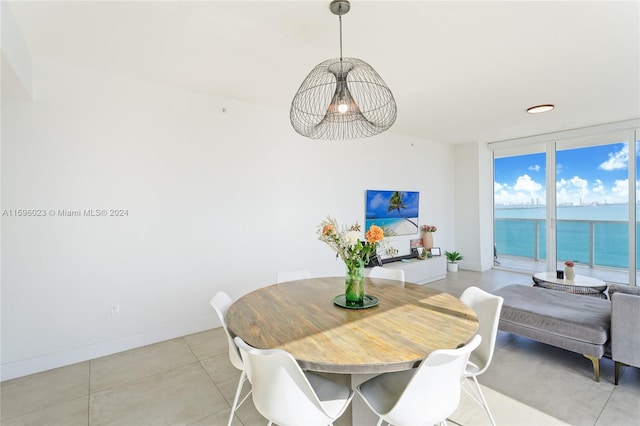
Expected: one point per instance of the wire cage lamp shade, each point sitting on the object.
(342, 98)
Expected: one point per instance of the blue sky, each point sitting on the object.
(595, 174)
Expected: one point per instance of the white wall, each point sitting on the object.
(473, 201)
(485, 206)
(15, 57)
(215, 201)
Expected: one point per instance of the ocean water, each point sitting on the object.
(593, 234)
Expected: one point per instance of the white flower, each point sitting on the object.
(352, 237)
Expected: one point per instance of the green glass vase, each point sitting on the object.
(354, 285)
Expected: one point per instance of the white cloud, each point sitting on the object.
(377, 201)
(525, 192)
(617, 160)
(579, 183)
(574, 182)
(598, 187)
(620, 190)
(535, 168)
(525, 183)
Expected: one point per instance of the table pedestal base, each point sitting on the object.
(361, 414)
(358, 413)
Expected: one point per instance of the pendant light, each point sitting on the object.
(342, 98)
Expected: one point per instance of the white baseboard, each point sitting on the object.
(24, 367)
(477, 267)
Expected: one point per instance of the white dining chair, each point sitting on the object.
(284, 276)
(387, 273)
(221, 303)
(487, 307)
(425, 395)
(288, 396)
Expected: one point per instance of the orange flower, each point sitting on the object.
(328, 229)
(374, 234)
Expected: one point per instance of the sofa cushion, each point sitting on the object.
(561, 314)
(623, 288)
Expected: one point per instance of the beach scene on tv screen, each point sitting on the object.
(394, 210)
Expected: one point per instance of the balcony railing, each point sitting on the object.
(592, 243)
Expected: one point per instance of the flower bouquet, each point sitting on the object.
(353, 251)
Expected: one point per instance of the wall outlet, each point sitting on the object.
(115, 309)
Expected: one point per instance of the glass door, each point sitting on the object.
(592, 205)
(520, 225)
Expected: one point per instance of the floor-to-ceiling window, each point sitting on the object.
(568, 198)
(519, 207)
(592, 205)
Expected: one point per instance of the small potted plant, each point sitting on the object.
(453, 257)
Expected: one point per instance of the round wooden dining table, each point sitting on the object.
(409, 323)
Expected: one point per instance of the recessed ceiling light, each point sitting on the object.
(540, 108)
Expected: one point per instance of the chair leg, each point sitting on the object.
(478, 396)
(234, 407)
(596, 365)
(619, 365)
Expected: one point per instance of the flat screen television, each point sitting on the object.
(395, 210)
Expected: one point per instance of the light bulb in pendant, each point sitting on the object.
(343, 107)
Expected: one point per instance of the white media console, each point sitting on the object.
(421, 271)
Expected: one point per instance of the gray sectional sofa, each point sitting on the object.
(577, 323)
(569, 321)
(625, 326)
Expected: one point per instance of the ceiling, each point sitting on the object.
(460, 71)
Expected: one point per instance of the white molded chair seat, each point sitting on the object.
(387, 273)
(284, 276)
(221, 303)
(288, 396)
(487, 307)
(425, 395)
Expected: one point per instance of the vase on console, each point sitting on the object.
(569, 272)
(427, 236)
(427, 241)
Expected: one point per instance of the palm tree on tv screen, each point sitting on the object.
(396, 202)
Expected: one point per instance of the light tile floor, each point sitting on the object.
(190, 381)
